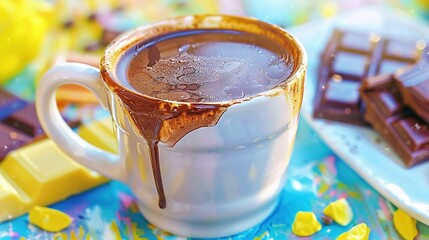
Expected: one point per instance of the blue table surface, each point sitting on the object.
(316, 176)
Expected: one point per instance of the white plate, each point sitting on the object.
(361, 147)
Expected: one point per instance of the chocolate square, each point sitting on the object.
(413, 84)
(356, 56)
(11, 139)
(414, 132)
(388, 103)
(336, 88)
(402, 129)
(26, 121)
(390, 66)
(358, 42)
(421, 91)
(350, 64)
(401, 49)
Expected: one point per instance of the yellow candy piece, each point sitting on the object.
(305, 224)
(405, 225)
(358, 232)
(24, 25)
(49, 219)
(40, 174)
(340, 211)
(101, 134)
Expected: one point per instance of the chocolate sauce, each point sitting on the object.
(188, 79)
(167, 122)
(207, 66)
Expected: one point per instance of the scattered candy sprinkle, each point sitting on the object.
(340, 211)
(405, 225)
(358, 232)
(305, 224)
(49, 219)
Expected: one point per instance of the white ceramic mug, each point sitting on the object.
(219, 180)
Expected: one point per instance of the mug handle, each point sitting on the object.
(108, 164)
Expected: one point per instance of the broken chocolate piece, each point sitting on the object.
(402, 129)
(413, 85)
(19, 124)
(9, 104)
(350, 57)
(11, 139)
(25, 120)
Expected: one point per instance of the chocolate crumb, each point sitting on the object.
(326, 220)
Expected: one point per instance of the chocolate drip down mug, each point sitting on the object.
(205, 110)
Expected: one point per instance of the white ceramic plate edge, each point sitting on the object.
(359, 146)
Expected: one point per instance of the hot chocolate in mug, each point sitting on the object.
(205, 111)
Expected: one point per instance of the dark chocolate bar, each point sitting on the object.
(9, 104)
(349, 57)
(403, 130)
(25, 120)
(19, 124)
(413, 84)
(11, 139)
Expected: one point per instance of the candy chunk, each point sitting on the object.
(326, 220)
(41, 174)
(405, 225)
(42, 168)
(100, 134)
(9, 196)
(340, 211)
(358, 232)
(305, 224)
(49, 219)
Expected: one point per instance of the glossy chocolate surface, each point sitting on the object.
(15, 129)
(19, 124)
(406, 133)
(26, 121)
(350, 57)
(413, 84)
(206, 66)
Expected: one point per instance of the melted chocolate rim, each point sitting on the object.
(115, 50)
(159, 128)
